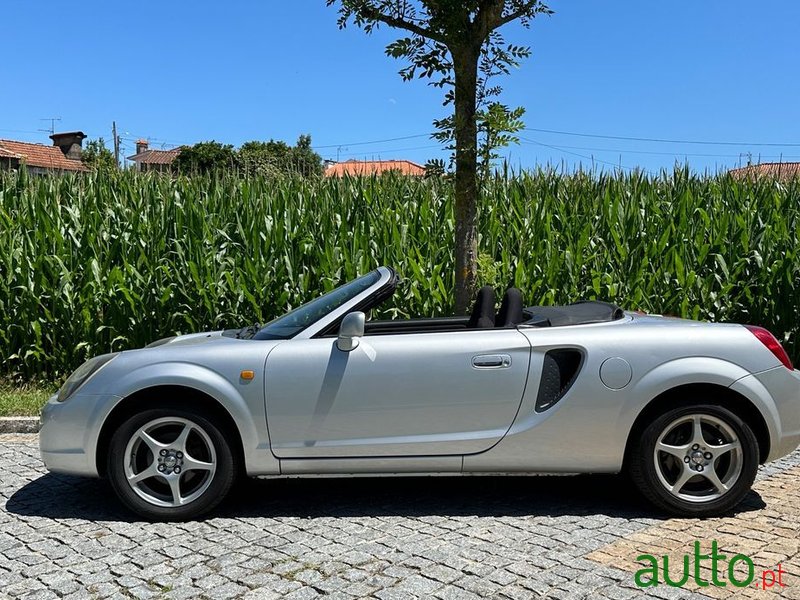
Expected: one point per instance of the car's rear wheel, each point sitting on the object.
(695, 460)
(170, 464)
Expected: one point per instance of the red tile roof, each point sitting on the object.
(7, 154)
(39, 155)
(156, 157)
(374, 167)
(783, 171)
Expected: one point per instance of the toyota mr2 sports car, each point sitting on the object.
(689, 410)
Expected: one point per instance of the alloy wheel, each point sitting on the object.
(698, 458)
(170, 461)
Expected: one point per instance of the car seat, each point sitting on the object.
(483, 315)
(510, 309)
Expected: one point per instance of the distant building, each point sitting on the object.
(159, 161)
(782, 171)
(355, 168)
(63, 156)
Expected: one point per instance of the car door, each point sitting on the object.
(417, 394)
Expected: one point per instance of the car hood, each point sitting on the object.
(189, 339)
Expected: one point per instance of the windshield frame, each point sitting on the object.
(386, 275)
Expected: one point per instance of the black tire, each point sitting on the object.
(646, 473)
(210, 489)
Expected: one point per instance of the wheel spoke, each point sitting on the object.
(180, 441)
(149, 472)
(190, 464)
(175, 487)
(151, 442)
(712, 476)
(677, 451)
(718, 451)
(685, 476)
(697, 430)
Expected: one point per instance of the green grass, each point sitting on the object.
(102, 262)
(23, 400)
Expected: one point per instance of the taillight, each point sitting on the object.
(772, 344)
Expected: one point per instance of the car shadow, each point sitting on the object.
(65, 497)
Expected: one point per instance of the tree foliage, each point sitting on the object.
(435, 167)
(497, 126)
(205, 157)
(266, 159)
(97, 156)
(305, 160)
(456, 45)
(278, 158)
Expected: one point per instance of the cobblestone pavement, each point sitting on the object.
(459, 538)
(769, 537)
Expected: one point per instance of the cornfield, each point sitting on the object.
(91, 264)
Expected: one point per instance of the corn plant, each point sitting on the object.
(108, 261)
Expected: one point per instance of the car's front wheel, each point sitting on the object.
(695, 460)
(170, 464)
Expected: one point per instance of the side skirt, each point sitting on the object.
(411, 474)
(372, 466)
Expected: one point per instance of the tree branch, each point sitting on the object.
(520, 12)
(400, 23)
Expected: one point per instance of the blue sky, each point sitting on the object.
(181, 72)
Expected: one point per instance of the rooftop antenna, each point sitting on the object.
(339, 151)
(748, 155)
(52, 120)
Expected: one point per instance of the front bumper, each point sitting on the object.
(69, 433)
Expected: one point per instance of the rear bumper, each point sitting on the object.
(776, 393)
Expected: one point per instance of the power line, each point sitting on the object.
(559, 148)
(378, 152)
(406, 137)
(623, 151)
(661, 140)
(133, 138)
(590, 158)
(21, 130)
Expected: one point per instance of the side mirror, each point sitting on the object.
(351, 329)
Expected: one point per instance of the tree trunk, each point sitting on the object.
(465, 65)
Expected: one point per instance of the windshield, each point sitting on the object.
(295, 321)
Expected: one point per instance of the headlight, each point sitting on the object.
(161, 342)
(82, 375)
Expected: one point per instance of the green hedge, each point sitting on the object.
(95, 263)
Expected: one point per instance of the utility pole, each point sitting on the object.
(116, 142)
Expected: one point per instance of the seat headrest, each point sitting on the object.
(483, 309)
(511, 309)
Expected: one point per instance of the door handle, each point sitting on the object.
(491, 361)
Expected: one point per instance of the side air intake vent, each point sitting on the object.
(559, 371)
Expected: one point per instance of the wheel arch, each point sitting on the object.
(707, 393)
(153, 397)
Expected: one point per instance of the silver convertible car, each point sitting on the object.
(689, 410)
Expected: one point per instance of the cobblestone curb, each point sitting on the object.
(19, 424)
